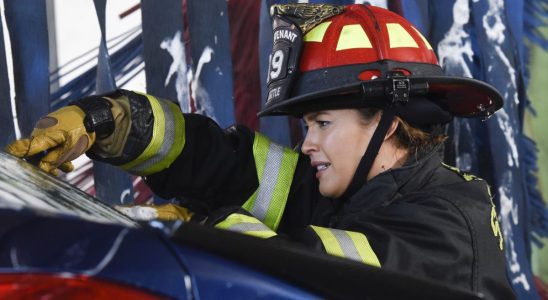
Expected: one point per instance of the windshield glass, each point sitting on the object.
(23, 186)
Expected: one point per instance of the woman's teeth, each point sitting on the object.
(322, 166)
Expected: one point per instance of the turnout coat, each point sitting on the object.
(424, 218)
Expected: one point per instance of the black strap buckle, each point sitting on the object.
(99, 118)
(399, 88)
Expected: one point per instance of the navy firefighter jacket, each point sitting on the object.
(424, 218)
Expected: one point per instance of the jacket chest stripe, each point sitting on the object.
(275, 167)
(268, 181)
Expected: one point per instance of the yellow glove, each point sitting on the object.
(62, 133)
(165, 212)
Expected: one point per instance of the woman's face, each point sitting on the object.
(335, 142)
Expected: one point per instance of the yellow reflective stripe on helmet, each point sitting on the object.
(167, 142)
(423, 38)
(399, 37)
(316, 34)
(275, 167)
(347, 244)
(246, 225)
(352, 37)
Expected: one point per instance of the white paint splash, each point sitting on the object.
(185, 77)
(456, 46)
(380, 3)
(512, 84)
(9, 67)
(509, 135)
(508, 207)
(496, 34)
(199, 94)
(454, 51)
(464, 160)
(509, 215)
(495, 31)
(174, 46)
(492, 23)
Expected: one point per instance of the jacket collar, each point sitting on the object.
(389, 185)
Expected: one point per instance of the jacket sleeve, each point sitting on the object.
(422, 238)
(349, 244)
(342, 243)
(227, 167)
(189, 156)
(421, 235)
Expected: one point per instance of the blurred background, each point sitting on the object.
(210, 57)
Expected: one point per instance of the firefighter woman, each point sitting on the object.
(368, 183)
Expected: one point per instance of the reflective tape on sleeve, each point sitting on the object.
(275, 166)
(246, 225)
(168, 139)
(347, 244)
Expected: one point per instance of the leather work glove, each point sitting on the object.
(62, 134)
(165, 212)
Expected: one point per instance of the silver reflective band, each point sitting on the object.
(275, 166)
(245, 227)
(347, 245)
(268, 182)
(168, 140)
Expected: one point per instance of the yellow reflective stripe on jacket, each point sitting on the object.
(464, 175)
(495, 226)
(275, 166)
(347, 244)
(246, 225)
(168, 139)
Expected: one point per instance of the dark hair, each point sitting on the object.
(412, 138)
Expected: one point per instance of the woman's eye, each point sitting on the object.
(322, 123)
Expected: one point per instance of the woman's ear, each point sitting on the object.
(392, 129)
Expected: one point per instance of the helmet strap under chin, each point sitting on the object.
(360, 176)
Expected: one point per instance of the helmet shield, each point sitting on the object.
(286, 51)
(289, 24)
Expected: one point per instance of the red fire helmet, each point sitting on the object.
(328, 57)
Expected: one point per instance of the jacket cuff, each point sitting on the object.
(238, 220)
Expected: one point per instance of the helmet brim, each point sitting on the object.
(459, 96)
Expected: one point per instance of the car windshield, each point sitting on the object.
(23, 186)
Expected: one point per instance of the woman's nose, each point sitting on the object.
(309, 145)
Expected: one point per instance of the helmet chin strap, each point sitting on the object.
(360, 177)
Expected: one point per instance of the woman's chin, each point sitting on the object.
(329, 192)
